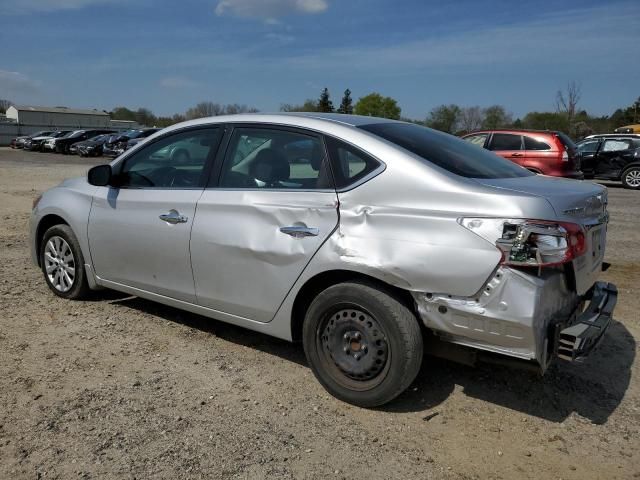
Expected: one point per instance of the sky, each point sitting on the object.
(169, 55)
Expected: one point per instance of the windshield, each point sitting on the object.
(39, 134)
(75, 134)
(97, 138)
(447, 151)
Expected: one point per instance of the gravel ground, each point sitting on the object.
(119, 387)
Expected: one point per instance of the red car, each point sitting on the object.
(546, 152)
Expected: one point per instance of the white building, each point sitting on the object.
(58, 117)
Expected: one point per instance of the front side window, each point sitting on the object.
(505, 141)
(275, 159)
(590, 146)
(447, 152)
(478, 139)
(176, 161)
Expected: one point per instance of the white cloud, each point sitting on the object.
(177, 82)
(17, 7)
(16, 83)
(270, 10)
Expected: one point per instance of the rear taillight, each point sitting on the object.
(531, 243)
(565, 156)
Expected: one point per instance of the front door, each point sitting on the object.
(259, 226)
(139, 232)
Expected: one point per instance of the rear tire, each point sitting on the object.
(62, 263)
(363, 345)
(631, 178)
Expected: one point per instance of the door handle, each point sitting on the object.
(517, 155)
(173, 217)
(300, 231)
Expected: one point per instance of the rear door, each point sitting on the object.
(508, 145)
(613, 156)
(268, 210)
(539, 153)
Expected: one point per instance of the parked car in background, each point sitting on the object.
(63, 144)
(91, 147)
(37, 143)
(19, 142)
(352, 234)
(612, 158)
(612, 135)
(545, 152)
(628, 129)
(116, 145)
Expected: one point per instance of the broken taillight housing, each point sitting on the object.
(531, 243)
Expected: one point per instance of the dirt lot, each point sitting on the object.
(119, 387)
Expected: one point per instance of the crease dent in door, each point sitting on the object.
(265, 241)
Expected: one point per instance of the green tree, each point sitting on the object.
(309, 105)
(123, 113)
(324, 102)
(445, 118)
(144, 116)
(545, 121)
(496, 116)
(375, 105)
(346, 105)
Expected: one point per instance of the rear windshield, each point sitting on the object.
(566, 141)
(446, 151)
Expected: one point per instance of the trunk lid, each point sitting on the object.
(573, 200)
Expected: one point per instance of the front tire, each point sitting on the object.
(363, 345)
(631, 178)
(62, 263)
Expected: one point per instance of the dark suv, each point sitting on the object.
(546, 152)
(612, 158)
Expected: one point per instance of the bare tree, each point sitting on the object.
(205, 109)
(471, 118)
(567, 101)
(4, 104)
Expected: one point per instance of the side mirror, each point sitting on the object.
(100, 176)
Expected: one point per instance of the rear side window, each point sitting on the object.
(531, 143)
(349, 163)
(505, 141)
(447, 152)
(616, 145)
(478, 139)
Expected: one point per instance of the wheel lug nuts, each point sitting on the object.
(358, 336)
(346, 336)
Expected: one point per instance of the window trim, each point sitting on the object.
(119, 163)
(224, 151)
(373, 173)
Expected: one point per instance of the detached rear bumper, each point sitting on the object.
(580, 338)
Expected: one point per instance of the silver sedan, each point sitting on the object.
(369, 240)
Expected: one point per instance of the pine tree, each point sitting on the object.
(324, 102)
(346, 106)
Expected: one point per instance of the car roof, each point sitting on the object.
(613, 135)
(512, 130)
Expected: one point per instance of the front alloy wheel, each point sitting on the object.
(362, 343)
(62, 263)
(631, 178)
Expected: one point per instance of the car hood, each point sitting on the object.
(571, 199)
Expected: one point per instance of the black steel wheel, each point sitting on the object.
(362, 343)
